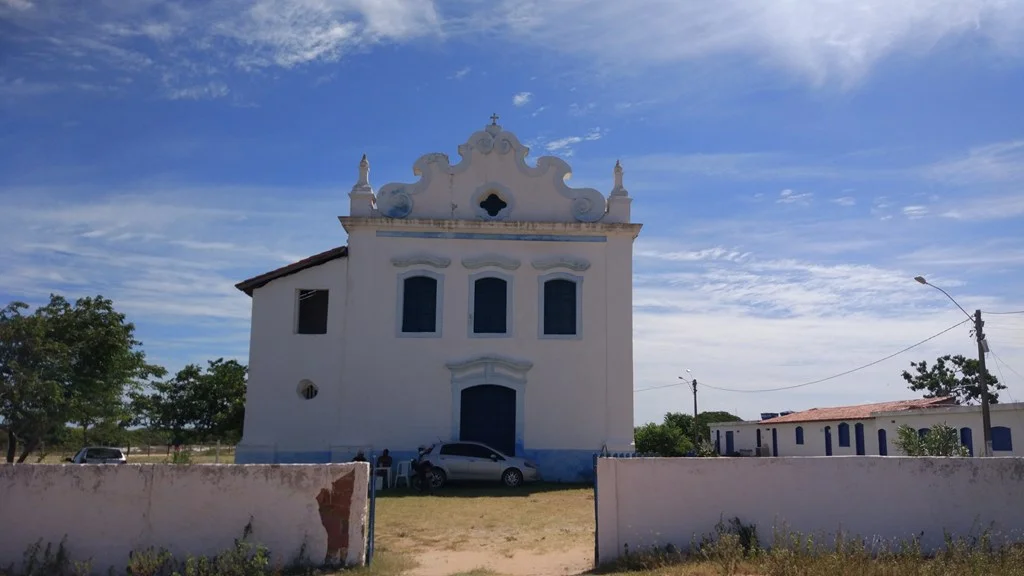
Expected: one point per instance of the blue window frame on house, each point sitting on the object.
(883, 444)
(800, 435)
(1002, 439)
(844, 435)
(967, 439)
(858, 438)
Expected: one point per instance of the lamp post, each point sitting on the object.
(986, 421)
(693, 384)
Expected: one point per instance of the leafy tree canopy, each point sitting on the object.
(674, 436)
(939, 440)
(954, 376)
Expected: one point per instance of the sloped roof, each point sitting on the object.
(859, 412)
(255, 282)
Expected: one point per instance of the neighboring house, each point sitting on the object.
(488, 301)
(869, 429)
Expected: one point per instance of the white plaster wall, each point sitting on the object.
(275, 414)
(106, 511)
(1008, 415)
(651, 501)
(744, 435)
(579, 391)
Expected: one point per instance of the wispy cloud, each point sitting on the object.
(521, 99)
(208, 91)
(461, 73)
(915, 212)
(818, 40)
(845, 201)
(788, 196)
(563, 146)
(997, 162)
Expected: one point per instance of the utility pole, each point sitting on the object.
(696, 434)
(986, 420)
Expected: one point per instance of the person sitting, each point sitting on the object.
(360, 457)
(384, 466)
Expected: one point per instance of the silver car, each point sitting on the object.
(98, 455)
(477, 462)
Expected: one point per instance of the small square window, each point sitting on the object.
(312, 312)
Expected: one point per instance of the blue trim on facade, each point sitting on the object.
(565, 466)
(488, 236)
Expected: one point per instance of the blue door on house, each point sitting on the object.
(858, 438)
(828, 440)
(718, 441)
(730, 445)
(967, 439)
(775, 442)
(883, 444)
(488, 415)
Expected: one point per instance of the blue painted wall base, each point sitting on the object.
(566, 466)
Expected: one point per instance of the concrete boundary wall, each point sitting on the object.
(106, 511)
(647, 502)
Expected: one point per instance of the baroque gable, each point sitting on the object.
(491, 182)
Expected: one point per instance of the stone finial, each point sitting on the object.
(619, 189)
(363, 184)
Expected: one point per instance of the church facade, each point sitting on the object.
(487, 301)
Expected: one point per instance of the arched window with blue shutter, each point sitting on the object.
(844, 435)
(800, 435)
(1002, 439)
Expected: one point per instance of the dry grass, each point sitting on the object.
(502, 521)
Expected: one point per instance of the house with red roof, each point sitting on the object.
(868, 429)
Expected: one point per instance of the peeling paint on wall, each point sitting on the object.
(107, 511)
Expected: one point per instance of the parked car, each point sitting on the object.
(474, 461)
(98, 455)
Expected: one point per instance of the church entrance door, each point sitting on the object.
(488, 415)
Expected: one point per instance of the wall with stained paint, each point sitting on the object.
(381, 389)
(107, 511)
(658, 501)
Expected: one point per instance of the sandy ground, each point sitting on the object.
(571, 561)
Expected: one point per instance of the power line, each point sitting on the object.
(1008, 367)
(912, 346)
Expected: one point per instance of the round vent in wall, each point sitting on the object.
(307, 389)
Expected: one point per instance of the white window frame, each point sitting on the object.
(578, 280)
(439, 306)
(509, 300)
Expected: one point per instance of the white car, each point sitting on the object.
(98, 455)
(477, 462)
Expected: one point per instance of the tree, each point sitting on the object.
(954, 376)
(940, 440)
(662, 440)
(674, 436)
(65, 363)
(197, 405)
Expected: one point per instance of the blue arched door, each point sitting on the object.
(828, 440)
(858, 438)
(488, 415)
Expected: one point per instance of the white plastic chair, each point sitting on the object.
(404, 472)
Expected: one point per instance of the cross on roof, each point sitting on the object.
(494, 119)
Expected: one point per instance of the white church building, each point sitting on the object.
(487, 301)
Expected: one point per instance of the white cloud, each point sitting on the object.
(521, 99)
(997, 162)
(915, 212)
(209, 91)
(564, 145)
(845, 201)
(993, 207)
(461, 73)
(788, 196)
(819, 40)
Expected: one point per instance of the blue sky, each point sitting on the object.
(795, 163)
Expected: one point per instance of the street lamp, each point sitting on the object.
(986, 421)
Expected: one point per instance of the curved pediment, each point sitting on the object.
(493, 170)
(488, 367)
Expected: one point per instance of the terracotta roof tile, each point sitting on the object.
(255, 282)
(859, 412)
